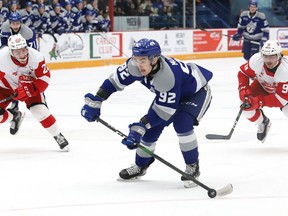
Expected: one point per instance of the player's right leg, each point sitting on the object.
(48, 121)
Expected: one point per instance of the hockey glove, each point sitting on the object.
(236, 37)
(91, 109)
(137, 130)
(244, 91)
(254, 103)
(26, 88)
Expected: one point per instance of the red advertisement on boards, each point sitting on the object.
(207, 40)
(233, 45)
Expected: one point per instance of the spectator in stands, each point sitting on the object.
(77, 16)
(57, 18)
(26, 14)
(13, 6)
(254, 28)
(103, 24)
(35, 5)
(41, 20)
(89, 22)
(93, 7)
(4, 12)
(68, 15)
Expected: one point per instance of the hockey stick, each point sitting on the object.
(8, 98)
(253, 42)
(211, 192)
(227, 137)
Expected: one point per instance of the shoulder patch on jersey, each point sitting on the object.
(261, 15)
(244, 13)
(256, 63)
(164, 79)
(5, 26)
(26, 32)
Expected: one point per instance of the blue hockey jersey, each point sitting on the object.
(175, 82)
(253, 27)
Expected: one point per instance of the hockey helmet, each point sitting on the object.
(41, 5)
(146, 47)
(16, 42)
(28, 4)
(272, 47)
(15, 17)
(253, 3)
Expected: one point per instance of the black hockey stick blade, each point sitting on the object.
(218, 136)
(227, 137)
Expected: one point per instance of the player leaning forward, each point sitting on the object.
(182, 96)
(23, 72)
(268, 73)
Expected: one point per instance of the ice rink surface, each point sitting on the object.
(37, 179)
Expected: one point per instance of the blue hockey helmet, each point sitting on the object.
(146, 47)
(41, 5)
(14, 17)
(78, 2)
(253, 3)
(28, 4)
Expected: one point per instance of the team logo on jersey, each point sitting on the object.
(251, 27)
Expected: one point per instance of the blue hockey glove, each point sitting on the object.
(91, 109)
(236, 37)
(137, 130)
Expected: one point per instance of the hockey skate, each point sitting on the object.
(134, 172)
(193, 171)
(16, 121)
(62, 142)
(263, 128)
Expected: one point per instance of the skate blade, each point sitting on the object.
(129, 180)
(268, 128)
(66, 149)
(189, 184)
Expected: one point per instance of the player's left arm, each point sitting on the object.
(42, 73)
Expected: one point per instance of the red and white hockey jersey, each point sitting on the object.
(10, 70)
(275, 84)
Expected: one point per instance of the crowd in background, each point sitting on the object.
(64, 16)
(59, 16)
(163, 14)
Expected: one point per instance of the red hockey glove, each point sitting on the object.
(244, 91)
(253, 103)
(26, 88)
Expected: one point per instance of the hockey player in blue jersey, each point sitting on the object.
(182, 96)
(254, 28)
(14, 26)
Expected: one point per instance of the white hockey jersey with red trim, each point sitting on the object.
(275, 84)
(10, 70)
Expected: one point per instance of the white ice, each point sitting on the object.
(37, 179)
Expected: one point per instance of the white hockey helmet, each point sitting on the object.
(272, 47)
(16, 42)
